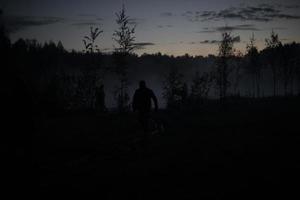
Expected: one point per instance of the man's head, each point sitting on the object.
(142, 84)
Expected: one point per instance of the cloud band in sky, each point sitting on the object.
(236, 39)
(242, 27)
(143, 45)
(17, 23)
(261, 13)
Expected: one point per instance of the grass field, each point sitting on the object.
(241, 152)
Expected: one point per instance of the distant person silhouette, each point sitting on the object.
(142, 104)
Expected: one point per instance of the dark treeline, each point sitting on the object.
(54, 74)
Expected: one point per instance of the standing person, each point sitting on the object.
(142, 104)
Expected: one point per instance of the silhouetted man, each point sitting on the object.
(142, 103)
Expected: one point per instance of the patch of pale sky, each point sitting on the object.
(175, 36)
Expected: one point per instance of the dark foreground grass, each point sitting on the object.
(245, 151)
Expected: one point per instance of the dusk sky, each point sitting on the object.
(168, 26)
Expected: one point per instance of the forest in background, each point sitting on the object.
(58, 79)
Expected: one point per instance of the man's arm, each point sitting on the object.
(154, 100)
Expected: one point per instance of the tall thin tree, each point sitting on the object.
(90, 39)
(272, 45)
(124, 37)
(91, 75)
(225, 52)
(253, 66)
